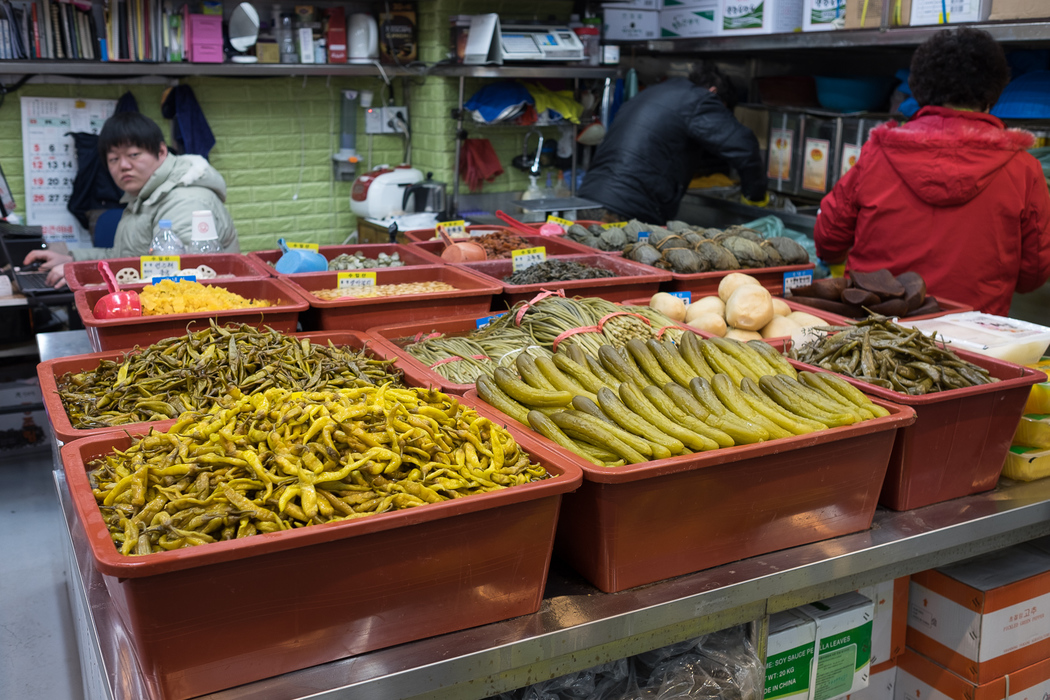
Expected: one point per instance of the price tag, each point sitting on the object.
(527, 257)
(796, 279)
(482, 322)
(175, 278)
(356, 279)
(304, 246)
(687, 297)
(643, 237)
(454, 229)
(564, 223)
(616, 224)
(151, 266)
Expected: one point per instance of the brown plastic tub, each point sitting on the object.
(632, 279)
(555, 245)
(637, 524)
(473, 295)
(958, 443)
(281, 314)
(411, 255)
(85, 274)
(703, 284)
(210, 617)
(51, 371)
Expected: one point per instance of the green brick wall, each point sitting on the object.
(275, 136)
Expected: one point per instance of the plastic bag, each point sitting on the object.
(771, 226)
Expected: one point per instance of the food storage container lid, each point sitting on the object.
(996, 336)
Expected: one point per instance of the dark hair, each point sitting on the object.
(963, 67)
(130, 129)
(710, 77)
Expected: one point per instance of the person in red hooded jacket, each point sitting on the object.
(952, 194)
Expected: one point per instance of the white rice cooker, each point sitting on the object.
(380, 193)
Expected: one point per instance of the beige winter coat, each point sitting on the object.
(179, 187)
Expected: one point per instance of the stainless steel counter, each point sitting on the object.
(578, 626)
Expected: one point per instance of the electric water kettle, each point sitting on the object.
(362, 38)
(426, 196)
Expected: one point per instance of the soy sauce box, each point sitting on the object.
(398, 33)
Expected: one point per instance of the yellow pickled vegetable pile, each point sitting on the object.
(278, 460)
(185, 297)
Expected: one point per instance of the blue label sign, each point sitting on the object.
(176, 278)
(796, 279)
(482, 322)
(687, 297)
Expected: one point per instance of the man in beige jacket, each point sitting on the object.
(157, 185)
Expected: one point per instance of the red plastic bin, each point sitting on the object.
(632, 279)
(210, 617)
(636, 524)
(947, 307)
(51, 371)
(85, 274)
(958, 443)
(125, 333)
(706, 283)
(555, 245)
(473, 295)
(410, 254)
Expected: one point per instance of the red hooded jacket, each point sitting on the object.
(951, 195)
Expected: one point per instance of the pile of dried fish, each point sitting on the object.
(557, 270)
(882, 353)
(688, 249)
(279, 460)
(191, 372)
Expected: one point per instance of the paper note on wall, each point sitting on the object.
(50, 161)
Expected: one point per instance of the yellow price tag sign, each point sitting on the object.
(348, 280)
(454, 229)
(527, 257)
(304, 246)
(151, 266)
(615, 224)
(564, 223)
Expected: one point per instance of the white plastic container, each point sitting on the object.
(1003, 338)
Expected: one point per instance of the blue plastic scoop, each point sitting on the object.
(297, 260)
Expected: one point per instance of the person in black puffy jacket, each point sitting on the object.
(645, 162)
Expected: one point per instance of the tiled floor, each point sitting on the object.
(38, 654)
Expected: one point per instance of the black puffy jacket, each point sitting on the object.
(646, 160)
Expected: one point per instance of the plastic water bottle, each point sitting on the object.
(165, 242)
(204, 240)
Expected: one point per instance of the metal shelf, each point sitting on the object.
(109, 69)
(1007, 32)
(526, 71)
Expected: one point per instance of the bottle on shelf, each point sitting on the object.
(165, 242)
(533, 191)
(205, 240)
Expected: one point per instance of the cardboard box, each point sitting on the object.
(984, 617)
(890, 622)
(701, 19)
(881, 683)
(633, 5)
(203, 38)
(335, 34)
(824, 15)
(919, 678)
(868, 15)
(844, 623)
(679, 4)
(926, 12)
(629, 25)
(741, 17)
(1019, 9)
(398, 33)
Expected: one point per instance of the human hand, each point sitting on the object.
(51, 262)
(56, 276)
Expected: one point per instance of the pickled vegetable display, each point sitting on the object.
(656, 399)
(278, 460)
(184, 297)
(537, 327)
(885, 354)
(384, 290)
(191, 372)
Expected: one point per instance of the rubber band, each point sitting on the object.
(572, 332)
(535, 300)
(458, 358)
(660, 246)
(606, 317)
(660, 333)
(420, 337)
(517, 350)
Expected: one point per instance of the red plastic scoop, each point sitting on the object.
(116, 304)
(465, 251)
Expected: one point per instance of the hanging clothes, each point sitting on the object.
(189, 128)
(478, 163)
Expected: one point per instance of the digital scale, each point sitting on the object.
(490, 43)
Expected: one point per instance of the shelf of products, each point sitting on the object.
(527, 71)
(1037, 32)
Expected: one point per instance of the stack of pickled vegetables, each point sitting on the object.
(654, 399)
(537, 327)
(280, 459)
(184, 297)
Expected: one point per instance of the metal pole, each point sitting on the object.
(454, 206)
(575, 131)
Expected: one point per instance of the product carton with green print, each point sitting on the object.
(841, 626)
(742, 17)
(701, 19)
